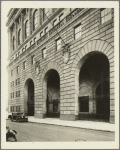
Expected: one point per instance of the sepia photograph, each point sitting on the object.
(60, 74)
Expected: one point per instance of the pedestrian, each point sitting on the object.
(10, 134)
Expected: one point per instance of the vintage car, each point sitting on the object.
(9, 115)
(19, 117)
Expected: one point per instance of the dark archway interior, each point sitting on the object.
(30, 88)
(95, 74)
(53, 93)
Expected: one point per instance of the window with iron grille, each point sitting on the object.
(106, 15)
(84, 104)
(58, 44)
(44, 51)
(35, 19)
(77, 32)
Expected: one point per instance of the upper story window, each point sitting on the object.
(33, 60)
(106, 15)
(41, 34)
(34, 39)
(46, 30)
(35, 19)
(77, 32)
(13, 43)
(18, 69)
(54, 22)
(26, 29)
(24, 65)
(45, 13)
(44, 51)
(11, 72)
(19, 37)
(58, 44)
(26, 47)
(61, 17)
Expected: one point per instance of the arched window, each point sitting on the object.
(13, 43)
(26, 29)
(19, 37)
(35, 20)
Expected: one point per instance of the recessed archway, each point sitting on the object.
(29, 97)
(52, 93)
(91, 48)
(94, 70)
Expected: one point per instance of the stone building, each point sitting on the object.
(61, 63)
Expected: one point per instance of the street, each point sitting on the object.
(34, 132)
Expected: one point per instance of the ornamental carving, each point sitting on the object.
(66, 53)
(37, 67)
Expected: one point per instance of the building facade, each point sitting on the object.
(61, 63)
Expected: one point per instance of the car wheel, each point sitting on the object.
(18, 120)
(11, 120)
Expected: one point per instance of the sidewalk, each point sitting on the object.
(78, 123)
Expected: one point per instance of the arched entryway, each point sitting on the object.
(29, 97)
(90, 49)
(52, 93)
(94, 103)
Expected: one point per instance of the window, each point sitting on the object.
(11, 72)
(18, 80)
(45, 13)
(77, 31)
(35, 19)
(26, 29)
(18, 68)
(19, 37)
(54, 22)
(106, 15)
(26, 47)
(46, 30)
(13, 43)
(31, 43)
(34, 39)
(61, 17)
(18, 53)
(24, 65)
(41, 34)
(33, 60)
(84, 104)
(44, 52)
(58, 44)
(18, 108)
(13, 94)
(23, 50)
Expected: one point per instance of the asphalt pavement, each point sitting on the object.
(35, 132)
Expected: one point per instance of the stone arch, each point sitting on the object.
(29, 76)
(49, 66)
(96, 46)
